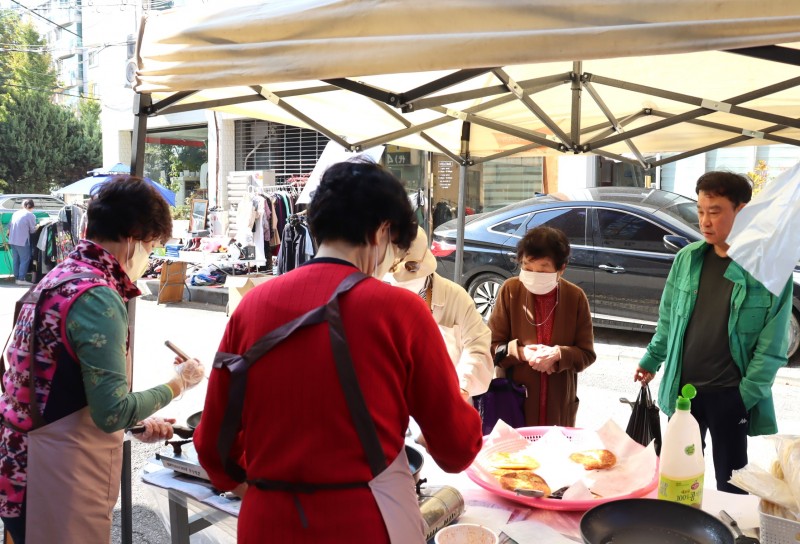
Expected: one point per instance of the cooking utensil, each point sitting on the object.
(637, 521)
(529, 492)
(179, 352)
(741, 538)
(194, 420)
(179, 430)
(415, 462)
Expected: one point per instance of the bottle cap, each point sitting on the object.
(688, 392)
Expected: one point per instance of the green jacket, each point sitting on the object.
(757, 330)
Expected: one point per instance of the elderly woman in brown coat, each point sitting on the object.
(542, 329)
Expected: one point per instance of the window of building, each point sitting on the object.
(93, 58)
(511, 179)
(264, 145)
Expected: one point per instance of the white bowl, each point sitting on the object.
(466, 533)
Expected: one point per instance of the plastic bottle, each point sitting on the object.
(682, 467)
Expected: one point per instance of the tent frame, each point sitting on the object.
(591, 139)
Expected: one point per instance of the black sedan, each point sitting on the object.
(623, 241)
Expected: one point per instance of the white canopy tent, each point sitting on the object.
(479, 80)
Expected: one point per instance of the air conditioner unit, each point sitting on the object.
(130, 72)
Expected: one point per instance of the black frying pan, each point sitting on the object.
(194, 420)
(640, 521)
(415, 461)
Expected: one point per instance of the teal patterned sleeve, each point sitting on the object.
(97, 328)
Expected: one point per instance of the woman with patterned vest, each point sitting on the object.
(61, 448)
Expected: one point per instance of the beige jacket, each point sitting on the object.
(467, 337)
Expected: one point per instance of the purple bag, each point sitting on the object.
(504, 400)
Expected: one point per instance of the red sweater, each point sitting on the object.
(296, 425)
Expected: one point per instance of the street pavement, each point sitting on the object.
(197, 329)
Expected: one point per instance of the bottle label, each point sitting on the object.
(688, 492)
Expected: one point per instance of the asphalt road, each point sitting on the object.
(197, 329)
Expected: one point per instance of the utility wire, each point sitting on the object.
(51, 91)
(45, 18)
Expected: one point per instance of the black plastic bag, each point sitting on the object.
(644, 425)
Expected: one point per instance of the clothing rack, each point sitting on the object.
(292, 190)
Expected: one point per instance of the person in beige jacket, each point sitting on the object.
(466, 335)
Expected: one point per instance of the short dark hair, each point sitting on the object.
(541, 242)
(27, 203)
(735, 187)
(128, 206)
(352, 201)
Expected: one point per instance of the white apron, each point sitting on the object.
(74, 472)
(395, 492)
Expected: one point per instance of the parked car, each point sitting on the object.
(44, 203)
(623, 241)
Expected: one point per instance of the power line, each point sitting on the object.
(45, 18)
(51, 91)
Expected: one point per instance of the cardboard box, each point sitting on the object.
(238, 286)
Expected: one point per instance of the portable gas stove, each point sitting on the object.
(182, 457)
(439, 505)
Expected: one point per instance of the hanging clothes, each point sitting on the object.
(297, 246)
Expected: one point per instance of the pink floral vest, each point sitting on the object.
(52, 349)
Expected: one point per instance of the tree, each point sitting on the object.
(44, 145)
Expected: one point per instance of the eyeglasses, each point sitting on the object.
(397, 262)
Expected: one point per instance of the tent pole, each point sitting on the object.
(575, 125)
(141, 102)
(462, 201)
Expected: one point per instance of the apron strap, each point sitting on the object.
(239, 364)
(362, 419)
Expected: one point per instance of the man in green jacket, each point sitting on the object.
(720, 330)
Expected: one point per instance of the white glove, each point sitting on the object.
(191, 373)
(156, 429)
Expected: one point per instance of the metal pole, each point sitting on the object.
(462, 202)
(140, 103)
(126, 505)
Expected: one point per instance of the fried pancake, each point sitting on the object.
(518, 460)
(524, 479)
(594, 459)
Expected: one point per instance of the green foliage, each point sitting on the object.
(44, 145)
(172, 160)
(181, 212)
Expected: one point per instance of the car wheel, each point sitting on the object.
(794, 340)
(483, 290)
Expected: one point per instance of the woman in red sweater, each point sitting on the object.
(320, 465)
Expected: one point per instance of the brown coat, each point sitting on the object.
(572, 331)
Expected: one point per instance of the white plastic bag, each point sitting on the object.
(765, 238)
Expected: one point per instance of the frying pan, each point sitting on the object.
(179, 430)
(637, 521)
(415, 458)
(194, 420)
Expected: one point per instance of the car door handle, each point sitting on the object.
(611, 268)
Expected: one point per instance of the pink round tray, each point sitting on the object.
(532, 434)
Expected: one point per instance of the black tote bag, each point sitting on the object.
(644, 425)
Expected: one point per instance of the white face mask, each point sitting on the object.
(383, 267)
(538, 283)
(137, 264)
(415, 286)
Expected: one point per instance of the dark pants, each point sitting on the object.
(16, 527)
(722, 413)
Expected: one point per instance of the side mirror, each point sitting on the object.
(675, 243)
